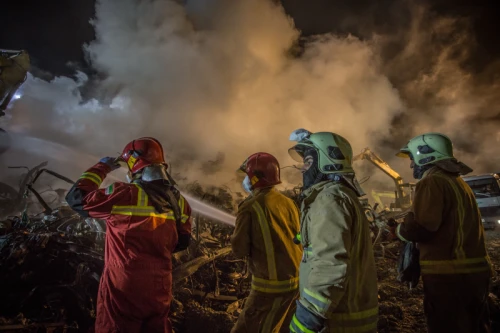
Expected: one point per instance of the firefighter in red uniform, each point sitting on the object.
(147, 220)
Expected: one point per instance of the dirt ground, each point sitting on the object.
(401, 309)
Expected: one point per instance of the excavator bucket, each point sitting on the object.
(14, 67)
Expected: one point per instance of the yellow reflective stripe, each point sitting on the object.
(459, 250)
(140, 211)
(459, 266)
(454, 262)
(319, 302)
(297, 324)
(142, 197)
(276, 282)
(368, 328)
(269, 286)
(268, 241)
(360, 221)
(355, 315)
(270, 318)
(93, 177)
(399, 234)
(362, 321)
(454, 270)
(182, 205)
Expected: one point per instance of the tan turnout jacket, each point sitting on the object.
(338, 279)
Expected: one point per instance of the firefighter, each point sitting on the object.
(338, 280)
(147, 220)
(266, 224)
(446, 224)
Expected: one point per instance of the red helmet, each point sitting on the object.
(143, 152)
(263, 170)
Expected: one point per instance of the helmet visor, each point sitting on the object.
(297, 153)
(404, 152)
(243, 167)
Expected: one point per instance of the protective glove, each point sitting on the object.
(305, 321)
(110, 161)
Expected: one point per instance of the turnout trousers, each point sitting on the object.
(266, 313)
(457, 303)
(134, 301)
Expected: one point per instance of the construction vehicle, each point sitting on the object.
(486, 189)
(404, 191)
(14, 66)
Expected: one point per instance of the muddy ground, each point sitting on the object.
(401, 309)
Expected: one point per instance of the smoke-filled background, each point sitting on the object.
(217, 80)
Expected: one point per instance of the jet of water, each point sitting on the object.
(66, 154)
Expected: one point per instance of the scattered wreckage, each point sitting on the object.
(51, 262)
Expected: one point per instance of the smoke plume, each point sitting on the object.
(217, 81)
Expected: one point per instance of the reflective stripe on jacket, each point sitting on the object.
(446, 208)
(136, 234)
(338, 279)
(266, 224)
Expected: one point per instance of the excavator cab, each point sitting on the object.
(14, 67)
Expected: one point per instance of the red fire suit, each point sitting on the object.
(136, 285)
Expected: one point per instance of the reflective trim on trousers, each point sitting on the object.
(458, 266)
(356, 322)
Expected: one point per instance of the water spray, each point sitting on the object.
(59, 150)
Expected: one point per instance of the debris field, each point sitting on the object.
(51, 262)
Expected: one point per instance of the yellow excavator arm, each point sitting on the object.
(14, 67)
(402, 199)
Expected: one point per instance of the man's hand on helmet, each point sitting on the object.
(111, 162)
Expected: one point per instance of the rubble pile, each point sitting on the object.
(51, 262)
(50, 269)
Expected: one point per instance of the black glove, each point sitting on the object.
(111, 162)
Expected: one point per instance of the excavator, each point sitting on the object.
(380, 220)
(14, 67)
(403, 192)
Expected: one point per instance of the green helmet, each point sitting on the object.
(334, 151)
(428, 148)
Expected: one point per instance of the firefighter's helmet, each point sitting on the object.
(141, 153)
(334, 151)
(262, 169)
(428, 148)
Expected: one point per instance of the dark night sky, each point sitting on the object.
(54, 31)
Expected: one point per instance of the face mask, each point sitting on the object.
(247, 186)
(312, 175)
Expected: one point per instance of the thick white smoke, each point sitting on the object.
(213, 77)
(207, 78)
